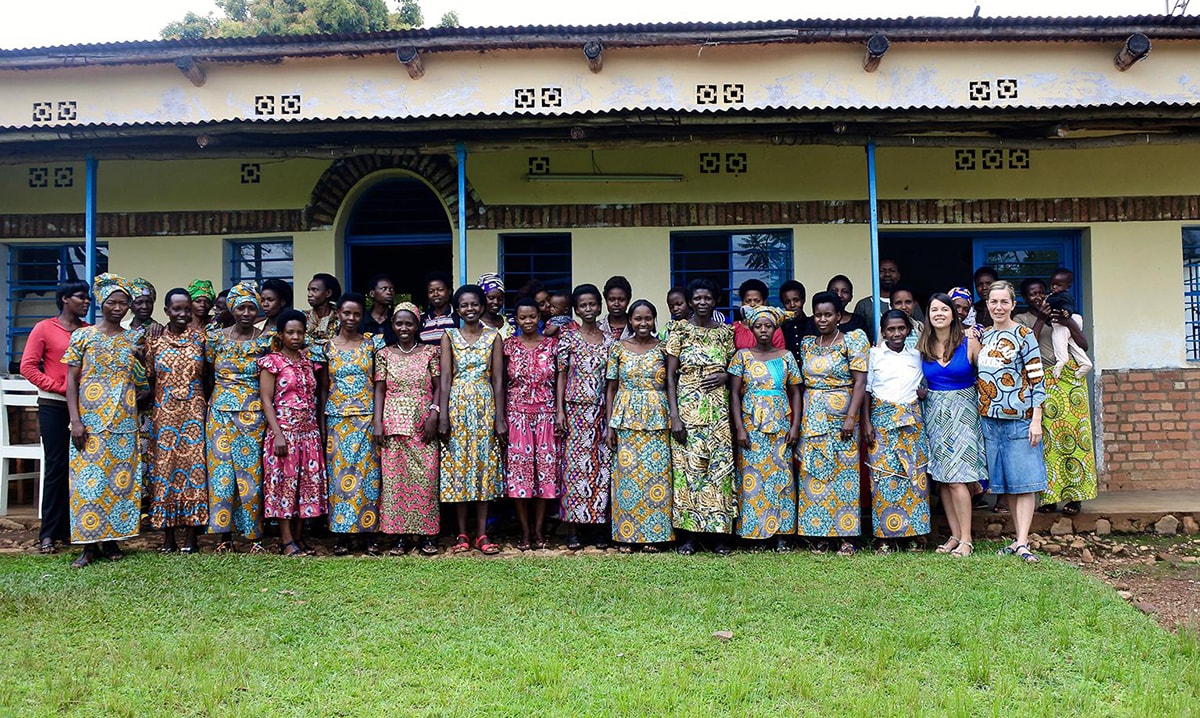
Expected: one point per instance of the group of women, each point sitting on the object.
(630, 430)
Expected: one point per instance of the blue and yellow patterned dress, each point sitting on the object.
(828, 495)
(767, 490)
(351, 458)
(235, 435)
(105, 485)
(702, 468)
(641, 474)
(470, 464)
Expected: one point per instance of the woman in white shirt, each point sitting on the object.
(897, 452)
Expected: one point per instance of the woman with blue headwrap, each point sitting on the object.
(235, 423)
(103, 367)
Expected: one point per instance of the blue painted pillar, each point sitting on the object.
(873, 202)
(89, 231)
(460, 150)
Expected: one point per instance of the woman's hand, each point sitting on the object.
(154, 331)
(280, 445)
(501, 429)
(848, 427)
(444, 427)
(713, 381)
(78, 434)
(377, 432)
(868, 434)
(560, 424)
(610, 437)
(678, 431)
(429, 430)
(742, 439)
(1035, 433)
(793, 436)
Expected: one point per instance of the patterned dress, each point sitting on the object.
(106, 495)
(293, 485)
(532, 460)
(827, 500)
(470, 469)
(235, 433)
(145, 431)
(319, 330)
(898, 457)
(641, 474)
(587, 459)
(1068, 447)
(409, 500)
(351, 460)
(951, 417)
(702, 468)
(767, 491)
(178, 472)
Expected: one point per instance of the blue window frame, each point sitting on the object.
(730, 258)
(34, 272)
(545, 257)
(256, 260)
(1191, 293)
(1017, 257)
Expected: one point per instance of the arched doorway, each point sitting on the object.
(400, 228)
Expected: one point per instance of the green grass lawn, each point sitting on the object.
(615, 635)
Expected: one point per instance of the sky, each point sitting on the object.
(36, 23)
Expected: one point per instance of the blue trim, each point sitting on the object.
(396, 239)
(873, 204)
(91, 167)
(460, 151)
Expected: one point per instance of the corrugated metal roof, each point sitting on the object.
(806, 30)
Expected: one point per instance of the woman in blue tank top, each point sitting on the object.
(951, 412)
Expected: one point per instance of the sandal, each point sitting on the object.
(1000, 508)
(819, 547)
(1047, 508)
(225, 547)
(169, 548)
(1021, 551)
(624, 548)
(308, 550)
(484, 545)
(372, 549)
(428, 546)
(291, 548)
(189, 550)
(847, 549)
(340, 549)
(47, 547)
(540, 542)
(114, 553)
(257, 547)
(650, 548)
(573, 542)
(884, 548)
(687, 548)
(461, 544)
(523, 544)
(85, 559)
(958, 551)
(946, 547)
(1072, 508)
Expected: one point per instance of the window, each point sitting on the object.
(546, 257)
(256, 261)
(1017, 258)
(34, 272)
(730, 258)
(1191, 293)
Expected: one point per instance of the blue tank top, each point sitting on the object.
(958, 374)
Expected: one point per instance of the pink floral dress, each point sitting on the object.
(294, 485)
(532, 466)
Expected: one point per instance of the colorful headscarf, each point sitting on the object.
(202, 288)
(489, 281)
(142, 288)
(241, 293)
(407, 307)
(753, 314)
(107, 283)
(960, 293)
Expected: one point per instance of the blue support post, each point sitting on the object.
(873, 202)
(460, 150)
(89, 231)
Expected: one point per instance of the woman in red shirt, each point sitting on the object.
(41, 364)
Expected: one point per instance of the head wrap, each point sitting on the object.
(960, 293)
(753, 314)
(489, 281)
(107, 283)
(202, 288)
(241, 293)
(407, 307)
(142, 288)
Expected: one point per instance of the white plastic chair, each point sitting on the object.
(17, 391)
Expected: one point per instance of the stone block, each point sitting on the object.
(1103, 527)
(1167, 526)
(1062, 527)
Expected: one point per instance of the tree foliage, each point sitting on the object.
(450, 19)
(246, 18)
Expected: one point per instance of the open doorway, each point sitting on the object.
(400, 228)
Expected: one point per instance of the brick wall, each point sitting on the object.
(1150, 421)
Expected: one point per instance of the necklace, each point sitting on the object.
(409, 351)
(836, 334)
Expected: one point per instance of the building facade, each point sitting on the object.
(656, 152)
